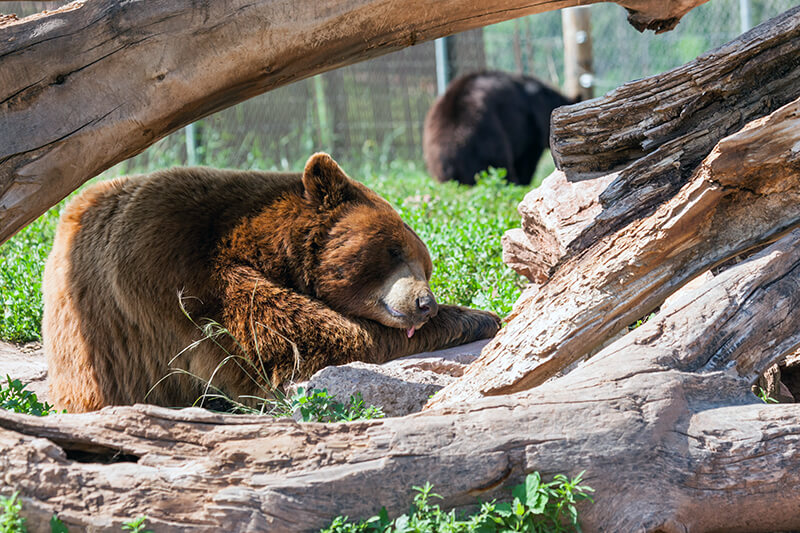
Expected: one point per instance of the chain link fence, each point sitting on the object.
(376, 109)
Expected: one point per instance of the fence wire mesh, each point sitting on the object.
(376, 109)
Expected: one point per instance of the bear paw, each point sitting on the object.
(468, 324)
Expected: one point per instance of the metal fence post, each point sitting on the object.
(191, 145)
(442, 65)
(745, 18)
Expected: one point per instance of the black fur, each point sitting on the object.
(489, 119)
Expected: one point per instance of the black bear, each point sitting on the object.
(489, 119)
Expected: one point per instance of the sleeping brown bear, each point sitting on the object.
(489, 119)
(303, 270)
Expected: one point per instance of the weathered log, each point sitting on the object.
(655, 131)
(662, 421)
(746, 192)
(553, 216)
(84, 88)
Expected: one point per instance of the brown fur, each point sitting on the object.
(304, 271)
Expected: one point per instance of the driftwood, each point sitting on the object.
(662, 421)
(742, 194)
(84, 88)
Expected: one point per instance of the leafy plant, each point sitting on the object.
(764, 396)
(641, 321)
(10, 520)
(137, 525)
(536, 507)
(57, 526)
(14, 397)
(317, 405)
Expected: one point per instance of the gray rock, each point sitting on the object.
(401, 386)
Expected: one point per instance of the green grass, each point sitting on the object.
(22, 259)
(462, 227)
(536, 507)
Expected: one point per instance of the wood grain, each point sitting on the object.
(746, 192)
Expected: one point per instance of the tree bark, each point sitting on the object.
(664, 425)
(655, 131)
(745, 192)
(554, 215)
(99, 81)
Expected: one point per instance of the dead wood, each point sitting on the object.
(662, 421)
(554, 214)
(88, 86)
(744, 193)
(655, 131)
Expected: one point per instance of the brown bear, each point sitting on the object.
(301, 271)
(489, 119)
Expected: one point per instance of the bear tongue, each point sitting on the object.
(410, 331)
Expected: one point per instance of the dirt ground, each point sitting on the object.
(25, 362)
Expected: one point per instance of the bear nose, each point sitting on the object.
(427, 306)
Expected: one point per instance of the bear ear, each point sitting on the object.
(325, 182)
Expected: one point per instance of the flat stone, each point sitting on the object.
(401, 386)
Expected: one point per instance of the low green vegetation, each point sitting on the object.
(641, 321)
(315, 405)
(15, 397)
(764, 396)
(138, 525)
(536, 507)
(462, 227)
(312, 405)
(57, 526)
(10, 520)
(21, 266)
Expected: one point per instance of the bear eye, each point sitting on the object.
(395, 253)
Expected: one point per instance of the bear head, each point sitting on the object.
(370, 263)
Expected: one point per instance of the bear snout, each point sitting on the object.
(427, 306)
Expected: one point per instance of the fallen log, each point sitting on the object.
(746, 192)
(92, 84)
(554, 215)
(655, 131)
(662, 421)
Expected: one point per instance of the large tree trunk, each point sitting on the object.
(744, 193)
(84, 88)
(662, 421)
